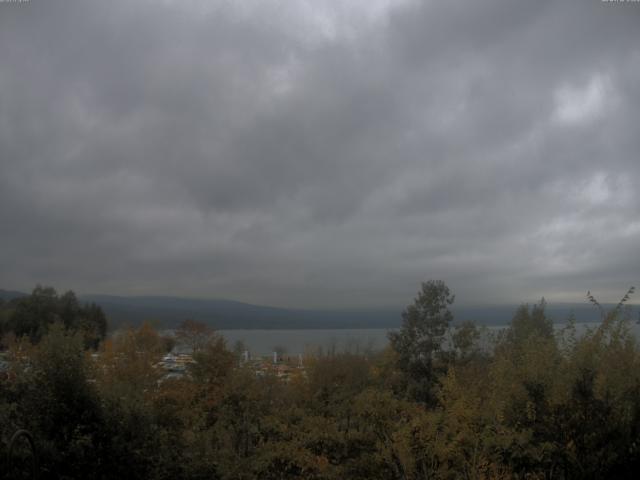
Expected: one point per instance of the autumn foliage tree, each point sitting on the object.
(193, 335)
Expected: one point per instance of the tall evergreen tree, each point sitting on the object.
(418, 343)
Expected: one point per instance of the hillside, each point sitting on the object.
(226, 314)
(168, 312)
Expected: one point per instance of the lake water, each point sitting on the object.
(294, 342)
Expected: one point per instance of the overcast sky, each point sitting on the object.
(321, 153)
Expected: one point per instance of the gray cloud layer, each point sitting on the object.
(317, 154)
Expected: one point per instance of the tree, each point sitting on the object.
(194, 335)
(212, 367)
(33, 315)
(59, 404)
(529, 322)
(92, 322)
(137, 431)
(466, 341)
(420, 338)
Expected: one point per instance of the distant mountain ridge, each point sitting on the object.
(229, 314)
(11, 294)
(168, 312)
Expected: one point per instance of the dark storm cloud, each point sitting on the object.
(318, 153)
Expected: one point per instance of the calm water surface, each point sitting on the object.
(263, 342)
(294, 342)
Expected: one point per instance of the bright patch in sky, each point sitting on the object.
(579, 104)
(597, 189)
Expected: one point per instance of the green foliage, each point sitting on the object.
(466, 341)
(57, 403)
(32, 316)
(530, 322)
(419, 341)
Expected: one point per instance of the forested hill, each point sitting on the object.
(227, 314)
(168, 312)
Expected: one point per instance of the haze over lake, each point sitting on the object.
(294, 342)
